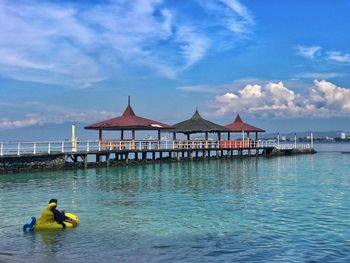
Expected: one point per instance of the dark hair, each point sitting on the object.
(53, 201)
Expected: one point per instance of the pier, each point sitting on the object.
(22, 156)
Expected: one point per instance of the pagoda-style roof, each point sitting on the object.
(128, 121)
(238, 126)
(198, 124)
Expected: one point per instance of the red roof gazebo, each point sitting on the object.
(128, 121)
(239, 126)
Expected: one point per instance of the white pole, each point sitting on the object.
(312, 140)
(2, 149)
(278, 139)
(34, 148)
(18, 148)
(49, 149)
(62, 147)
(74, 143)
(295, 140)
(88, 146)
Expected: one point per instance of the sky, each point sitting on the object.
(282, 65)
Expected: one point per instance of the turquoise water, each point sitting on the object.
(285, 209)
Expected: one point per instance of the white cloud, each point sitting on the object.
(79, 45)
(338, 57)
(239, 9)
(231, 13)
(205, 88)
(320, 75)
(51, 114)
(29, 120)
(308, 52)
(195, 46)
(324, 99)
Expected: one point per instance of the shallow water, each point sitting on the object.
(283, 209)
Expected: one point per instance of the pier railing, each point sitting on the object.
(52, 147)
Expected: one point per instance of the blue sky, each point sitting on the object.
(283, 65)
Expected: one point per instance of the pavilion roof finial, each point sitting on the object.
(129, 100)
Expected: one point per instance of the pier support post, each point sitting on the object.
(107, 159)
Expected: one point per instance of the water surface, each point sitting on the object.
(283, 209)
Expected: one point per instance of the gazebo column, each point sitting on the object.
(229, 143)
(100, 135)
(242, 138)
(159, 137)
(133, 139)
(219, 146)
(256, 139)
(174, 140)
(188, 145)
(206, 139)
(248, 139)
(121, 134)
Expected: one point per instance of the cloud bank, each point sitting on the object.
(74, 44)
(274, 100)
(52, 114)
(29, 120)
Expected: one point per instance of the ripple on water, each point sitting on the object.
(290, 209)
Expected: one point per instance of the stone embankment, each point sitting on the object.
(278, 152)
(15, 164)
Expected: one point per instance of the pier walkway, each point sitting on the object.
(58, 154)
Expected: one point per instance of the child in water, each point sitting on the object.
(60, 216)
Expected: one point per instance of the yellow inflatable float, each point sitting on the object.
(47, 221)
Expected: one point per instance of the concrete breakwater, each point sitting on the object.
(14, 164)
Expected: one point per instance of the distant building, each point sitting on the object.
(343, 136)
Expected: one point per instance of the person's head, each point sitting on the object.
(53, 202)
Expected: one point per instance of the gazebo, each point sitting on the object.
(239, 126)
(197, 124)
(128, 121)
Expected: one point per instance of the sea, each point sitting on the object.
(279, 209)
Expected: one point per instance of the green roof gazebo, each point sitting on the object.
(196, 124)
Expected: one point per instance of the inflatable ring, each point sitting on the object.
(47, 221)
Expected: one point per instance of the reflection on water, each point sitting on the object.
(252, 209)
